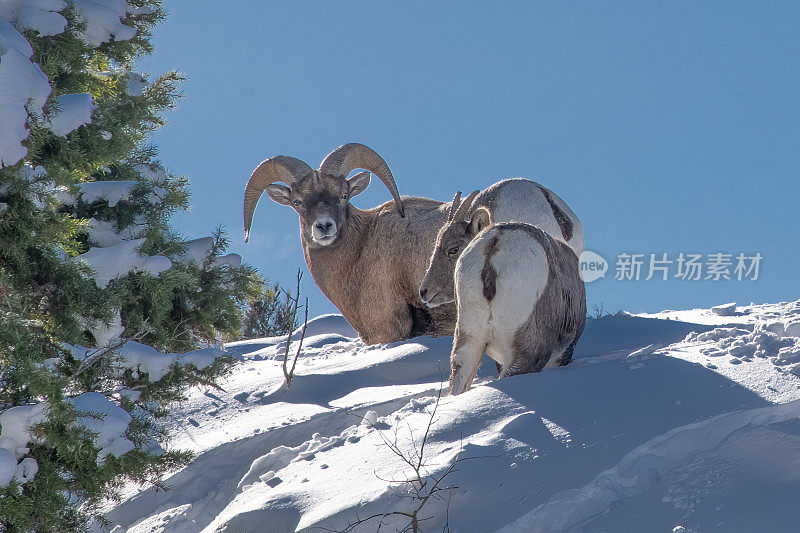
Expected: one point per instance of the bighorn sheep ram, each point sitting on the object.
(518, 291)
(370, 263)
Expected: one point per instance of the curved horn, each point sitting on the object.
(454, 206)
(461, 212)
(279, 168)
(350, 156)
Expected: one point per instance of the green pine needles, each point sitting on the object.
(51, 305)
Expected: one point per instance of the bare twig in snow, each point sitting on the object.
(288, 373)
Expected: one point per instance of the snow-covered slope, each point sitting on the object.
(687, 419)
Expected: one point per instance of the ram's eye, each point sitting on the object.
(452, 251)
(344, 196)
(297, 203)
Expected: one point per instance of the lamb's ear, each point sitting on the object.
(358, 183)
(280, 193)
(480, 219)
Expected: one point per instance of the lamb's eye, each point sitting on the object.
(452, 251)
(344, 196)
(297, 203)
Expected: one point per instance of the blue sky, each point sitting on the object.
(667, 127)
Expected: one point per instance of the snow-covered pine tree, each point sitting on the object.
(88, 261)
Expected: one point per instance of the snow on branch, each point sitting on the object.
(107, 422)
(198, 250)
(143, 359)
(112, 191)
(74, 110)
(39, 15)
(103, 21)
(14, 437)
(24, 89)
(120, 259)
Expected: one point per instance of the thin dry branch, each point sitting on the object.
(300, 344)
(288, 374)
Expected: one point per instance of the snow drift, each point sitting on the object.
(647, 429)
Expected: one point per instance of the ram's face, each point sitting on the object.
(321, 201)
(438, 285)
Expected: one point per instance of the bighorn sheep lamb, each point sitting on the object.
(369, 263)
(518, 291)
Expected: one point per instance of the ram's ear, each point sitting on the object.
(280, 193)
(480, 219)
(357, 184)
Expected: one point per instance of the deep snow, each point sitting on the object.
(648, 429)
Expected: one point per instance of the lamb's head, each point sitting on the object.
(438, 285)
(321, 197)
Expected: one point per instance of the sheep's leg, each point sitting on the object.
(504, 370)
(464, 360)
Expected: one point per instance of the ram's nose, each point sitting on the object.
(324, 226)
(324, 230)
(422, 293)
